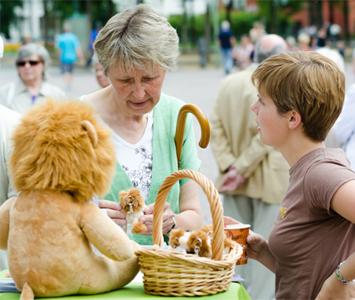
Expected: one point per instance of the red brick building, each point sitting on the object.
(332, 12)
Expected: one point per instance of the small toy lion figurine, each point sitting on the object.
(198, 241)
(62, 157)
(133, 205)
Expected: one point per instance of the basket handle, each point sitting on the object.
(215, 206)
(180, 128)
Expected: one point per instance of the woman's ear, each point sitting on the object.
(294, 119)
(91, 131)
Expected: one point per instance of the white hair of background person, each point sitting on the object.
(304, 38)
(144, 42)
(30, 49)
(334, 55)
(262, 54)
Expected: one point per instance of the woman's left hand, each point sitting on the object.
(333, 289)
(147, 219)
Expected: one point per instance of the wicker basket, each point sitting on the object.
(172, 273)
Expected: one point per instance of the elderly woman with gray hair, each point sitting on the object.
(135, 49)
(31, 61)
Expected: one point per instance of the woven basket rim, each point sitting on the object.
(228, 259)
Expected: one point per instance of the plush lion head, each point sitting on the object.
(60, 146)
(131, 196)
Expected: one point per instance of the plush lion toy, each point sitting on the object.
(198, 241)
(133, 205)
(62, 157)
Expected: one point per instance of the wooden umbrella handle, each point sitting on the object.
(180, 128)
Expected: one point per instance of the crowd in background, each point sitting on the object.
(239, 53)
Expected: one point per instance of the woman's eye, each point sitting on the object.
(261, 101)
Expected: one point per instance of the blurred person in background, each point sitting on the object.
(341, 47)
(102, 80)
(32, 61)
(332, 54)
(291, 44)
(304, 41)
(143, 119)
(26, 39)
(202, 51)
(8, 119)
(331, 141)
(253, 177)
(226, 42)
(93, 34)
(69, 53)
(241, 53)
(322, 38)
(255, 34)
(345, 126)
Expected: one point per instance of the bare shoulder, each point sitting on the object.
(96, 99)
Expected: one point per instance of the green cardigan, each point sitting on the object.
(164, 157)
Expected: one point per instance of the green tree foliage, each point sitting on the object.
(101, 10)
(277, 15)
(7, 15)
(241, 23)
(195, 25)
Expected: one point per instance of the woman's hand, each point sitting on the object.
(333, 289)
(147, 219)
(256, 242)
(258, 248)
(114, 211)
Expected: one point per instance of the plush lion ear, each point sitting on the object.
(91, 131)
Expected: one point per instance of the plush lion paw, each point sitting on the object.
(138, 227)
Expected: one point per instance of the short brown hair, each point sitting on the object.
(138, 38)
(306, 82)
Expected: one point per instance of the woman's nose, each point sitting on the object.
(254, 107)
(138, 91)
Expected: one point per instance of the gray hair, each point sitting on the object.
(30, 49)
(138, 38)
(94, 59)
(278, 46)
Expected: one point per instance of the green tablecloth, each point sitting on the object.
(136, 291)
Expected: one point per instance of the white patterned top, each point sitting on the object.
(136, 160)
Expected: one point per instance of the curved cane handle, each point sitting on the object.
(180, 128)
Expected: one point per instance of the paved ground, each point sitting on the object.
(189, 83)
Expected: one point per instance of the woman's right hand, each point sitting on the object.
(114, 211)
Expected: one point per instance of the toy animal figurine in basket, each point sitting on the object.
(197, 242)
(133, 205)
(173, 273)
